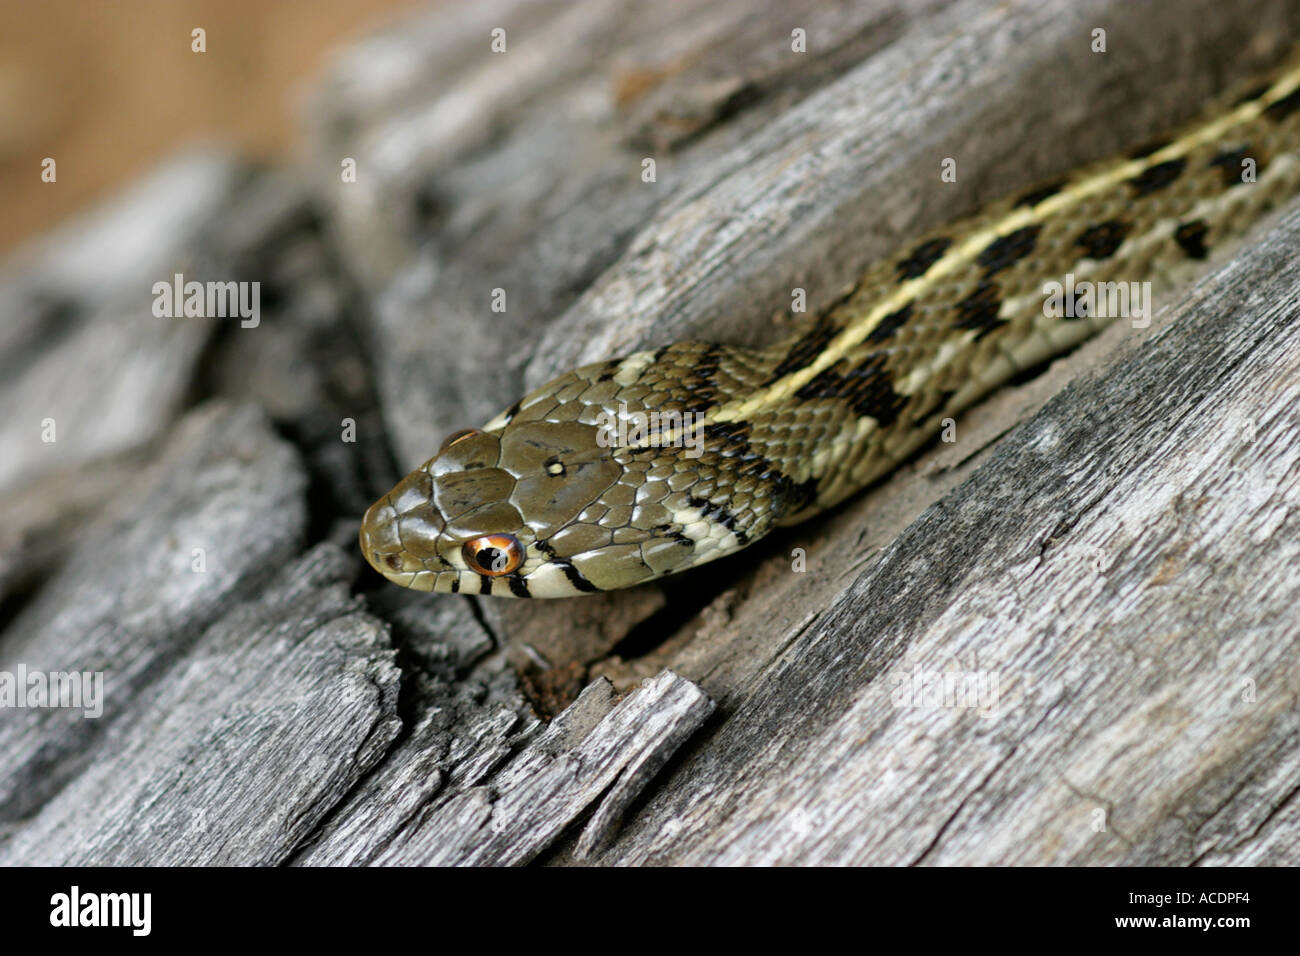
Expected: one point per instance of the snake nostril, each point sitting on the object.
(392, 560)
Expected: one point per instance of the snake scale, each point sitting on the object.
(634, 468)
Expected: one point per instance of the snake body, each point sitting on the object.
(630, 469)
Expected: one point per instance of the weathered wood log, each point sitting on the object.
(1112, 592)
(1067, 637)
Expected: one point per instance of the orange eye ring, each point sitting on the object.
(458, 436)
(493, 555)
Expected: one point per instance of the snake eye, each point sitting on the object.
(458, 436)
(493, 554)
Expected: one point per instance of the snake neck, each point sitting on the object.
(963, 309)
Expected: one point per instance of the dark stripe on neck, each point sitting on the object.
(573, 574)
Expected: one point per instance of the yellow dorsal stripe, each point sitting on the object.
(855, 333)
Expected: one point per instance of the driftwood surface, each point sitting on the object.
(1070, 636)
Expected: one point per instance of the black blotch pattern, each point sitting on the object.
(979, 310)
(804, 351)
(787, 495)
(1229, 163)
(1191, 236)
(828, 383)
(708, 363)
(699, 390)
(1035, 196)
(922, 257)
(890, 324)
(706, 366)
(796, 495)
(1284, 107)
(866, 386)
(731, 440)
(719, 514)
(1157, 177)
(728, 438)
(667, 531)
(518, 586)
(513, 410)
(1100, 240)
(1005, 251)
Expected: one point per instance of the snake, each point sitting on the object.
(627, 470)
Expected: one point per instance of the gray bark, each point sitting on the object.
(1068, 637)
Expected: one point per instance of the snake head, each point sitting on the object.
(599, 480)
(539, 503)
(480, 517)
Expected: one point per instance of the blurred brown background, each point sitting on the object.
(108, 87)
